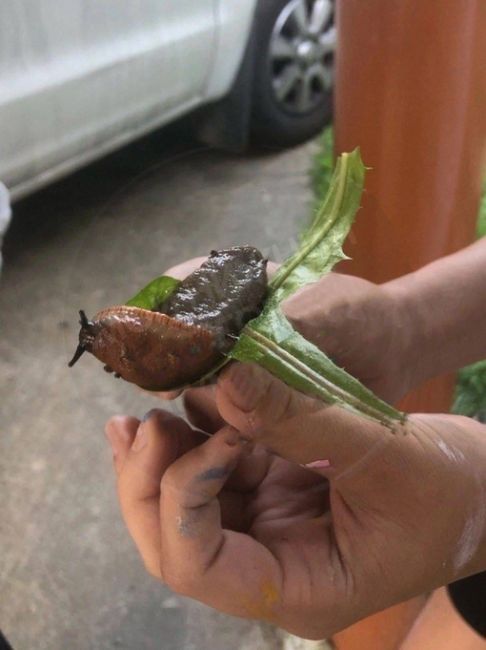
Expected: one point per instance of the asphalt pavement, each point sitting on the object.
(69, 575)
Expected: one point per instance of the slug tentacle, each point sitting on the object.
(83, 320)
(87, 334)
(80, 350)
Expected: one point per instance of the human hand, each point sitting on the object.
(364, 327)
(254, 534)
(205, 513)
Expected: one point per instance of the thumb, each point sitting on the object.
(297, 427)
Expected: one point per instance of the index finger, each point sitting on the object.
(297, 427)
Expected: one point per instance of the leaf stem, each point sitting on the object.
(318, 236)
(324, 388)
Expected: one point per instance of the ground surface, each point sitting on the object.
(69, 576)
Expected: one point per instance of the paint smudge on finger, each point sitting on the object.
(214, 474)
(184, 526)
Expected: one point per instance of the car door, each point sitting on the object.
(79, 76)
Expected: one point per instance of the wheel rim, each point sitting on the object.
(301, 54)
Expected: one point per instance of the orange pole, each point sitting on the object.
(411, 92)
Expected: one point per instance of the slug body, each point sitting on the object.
(189, 332)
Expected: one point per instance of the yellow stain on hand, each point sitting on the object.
(270, 593)
(263, 608)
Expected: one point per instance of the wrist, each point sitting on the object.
(444, 312)
(409, 328)
(456, 446)
(470, 437)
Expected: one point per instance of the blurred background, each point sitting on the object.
(136, 135)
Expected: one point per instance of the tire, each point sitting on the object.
(288, 120)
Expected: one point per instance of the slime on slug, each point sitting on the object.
(188, 334)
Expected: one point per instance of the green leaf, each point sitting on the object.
(323, 165)
(154, 294)
(482, 214)
(270, 340)
(321, 243)
(470, 396)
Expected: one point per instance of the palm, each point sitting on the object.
(265, 493)
(278, 495)
(286, 510)
(282, 507)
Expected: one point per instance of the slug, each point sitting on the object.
(188, 334)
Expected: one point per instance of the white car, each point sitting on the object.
(79, 78)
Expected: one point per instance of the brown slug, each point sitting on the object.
(187, 335)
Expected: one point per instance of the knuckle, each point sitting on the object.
(174, 488)
(170, 481)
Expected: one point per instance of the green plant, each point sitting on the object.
(323, 165)
(470, 393)
(482, 215)
(270, 340)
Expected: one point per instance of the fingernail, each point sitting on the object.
(215, 473)
(149, 414)
(234, 438)
(317, 464)
(140, 439)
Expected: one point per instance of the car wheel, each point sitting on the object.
(293, 77)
